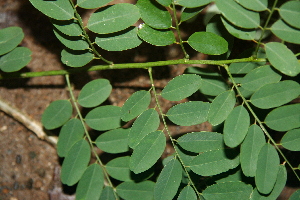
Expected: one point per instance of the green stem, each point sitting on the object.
(265, 27)
(168, 132)
(186, 56)
(258, 120)
(87, 134)
(124, 66)
(80, 22)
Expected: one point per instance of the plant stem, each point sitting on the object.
(258, 121)
(87, 134)
(186, 56)
(265, 27)
(168, 132)
(125, 66)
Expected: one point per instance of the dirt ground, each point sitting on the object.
(29, 167)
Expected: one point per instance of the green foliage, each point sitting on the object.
(238, 159)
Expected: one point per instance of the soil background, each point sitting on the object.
(29, 166)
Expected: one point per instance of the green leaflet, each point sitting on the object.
(267, 169)
(282, 58)
(186, 156)
(94, 93)
(146, 123)
(275, 94)
(90, 4)
(289, 11)
(67, 27)
(187, 193)
(70, 133)
(107, 194)
(291, 140)
(75, 162)
(259, 77)
(104, 118)
(164, 2)
(10, 38)
(284, 118)
(215, 162)
(113, 141)
(168, 181)
(220, 107)
(91, 183)
(286, 32)
(193, 3)
(72, 42)
(110, 19)
(188, 13)
(74, 58)
(236, 126)
(154, 15)
(57, 114)
(208, 43)
(201, 141)
(254, 141)
(255, 5)
(119, 41)
(189, 113)
(147, 152)
(238, 15)
(228, 191)
(58, 9)
(136, 191)
(156, 37)
(181, 87)
(295, 195)
(137, 103)
(15, 59)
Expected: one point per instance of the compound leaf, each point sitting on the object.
(10, 38)
(193, 3)
(90, 4)
(168, 181)
(57, 114)
(119, 41)
(284, 118)
(58, 9)
(187, 193)
(94, 93)
(72, 42)
(189, 113)
(136, 191)
(15, 59)
(91, 183)
(77, 58)
(267, 169)
(259, 77)
(156, 37)
(137, 103)
(146, 123)
(286, 32)
(236, 126)
(228, 191)
(113, 141)
(181, 87)
(154, 15)
(147, 152)
(282, 58)
(289, 11)
(110, 19)
(275, 94)
(238, 15)
(104, 118)
(70, 133)
(291, 140)
(75, 163)
(208, 43)
(67, 27)
(255, 5)
(201, 141)
(220, 107)
(107, 194)
(250, 148)
(215, 162)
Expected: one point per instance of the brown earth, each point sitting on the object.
(29, 166)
